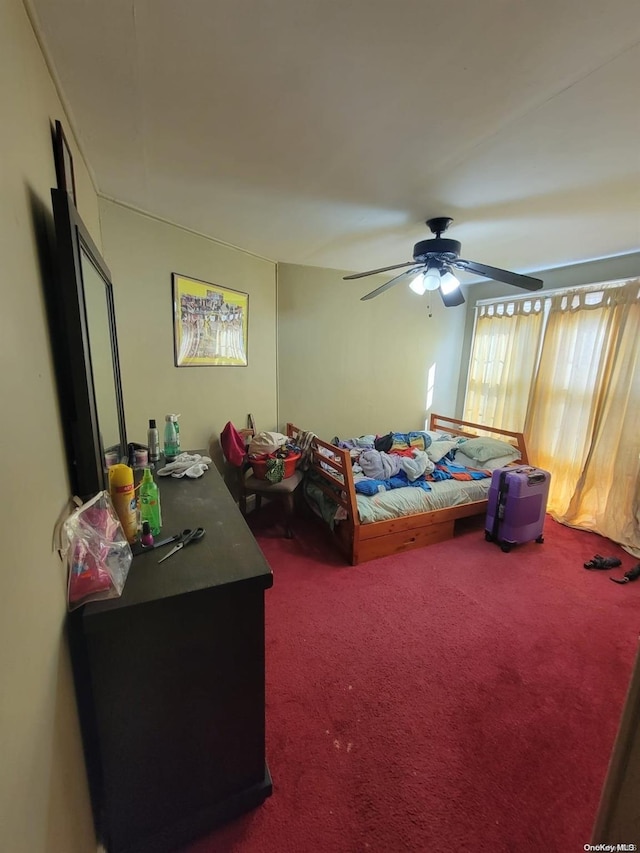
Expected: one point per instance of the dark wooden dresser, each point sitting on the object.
(170, 679)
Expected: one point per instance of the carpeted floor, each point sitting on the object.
(455, 698)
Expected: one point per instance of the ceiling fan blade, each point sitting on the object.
(452, 299)
(391, 283)
(373, 272)
(525, 281)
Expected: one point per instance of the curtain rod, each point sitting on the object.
(541, 294)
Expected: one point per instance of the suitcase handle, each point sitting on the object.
(532, 479)
(533, 476)
(500, 502)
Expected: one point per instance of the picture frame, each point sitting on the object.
(64, 163)
(210, 324)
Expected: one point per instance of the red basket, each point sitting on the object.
(260, 465)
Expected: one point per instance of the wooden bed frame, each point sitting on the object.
(362, 542)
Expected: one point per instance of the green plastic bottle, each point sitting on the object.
(176, 424)
(150, 502)
(171, 439)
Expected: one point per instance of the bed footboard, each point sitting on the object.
(332, 465)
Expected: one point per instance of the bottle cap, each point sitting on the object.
(152, 423)
(121, 478)
(146, 528)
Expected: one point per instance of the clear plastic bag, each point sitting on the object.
(97, 552)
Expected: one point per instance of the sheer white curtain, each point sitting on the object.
(565, 369)
(583, 422)
(503, 358)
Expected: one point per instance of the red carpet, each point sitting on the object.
(455, 698)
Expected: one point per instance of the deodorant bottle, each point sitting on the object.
(123, 498)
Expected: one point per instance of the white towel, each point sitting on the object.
(192, 465)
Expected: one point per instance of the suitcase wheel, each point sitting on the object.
(540, 539)
(505, 546)
(488, 537)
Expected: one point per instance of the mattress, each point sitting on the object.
(399, 502)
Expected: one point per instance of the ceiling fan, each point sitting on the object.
(433, 264)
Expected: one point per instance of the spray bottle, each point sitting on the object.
(150, 503)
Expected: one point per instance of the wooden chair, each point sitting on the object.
(248, 484)
(283, 491)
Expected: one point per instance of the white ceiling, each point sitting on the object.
(325, 132)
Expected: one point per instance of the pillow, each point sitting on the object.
(485, 449)
(438, 436)
(438, 449)
(490, 465)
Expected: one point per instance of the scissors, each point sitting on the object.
(185, 538)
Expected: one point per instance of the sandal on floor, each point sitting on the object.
(631, 575)
(599, 562)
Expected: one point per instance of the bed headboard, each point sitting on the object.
(441, 423)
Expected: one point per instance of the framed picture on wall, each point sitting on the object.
(210, 324)
(64, 163)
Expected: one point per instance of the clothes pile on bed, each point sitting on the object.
(398, 460)
(404, 473)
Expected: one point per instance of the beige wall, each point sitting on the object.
(141, 253)
(43, 794)
(348, 367)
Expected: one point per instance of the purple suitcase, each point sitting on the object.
(517, 506)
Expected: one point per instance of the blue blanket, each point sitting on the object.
(369, 486)
(445, 470)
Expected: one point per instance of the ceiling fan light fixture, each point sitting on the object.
(417, 284)
(449, 282)
(432, 278)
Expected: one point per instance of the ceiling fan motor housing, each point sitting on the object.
(444, 249)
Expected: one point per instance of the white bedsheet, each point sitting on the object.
(398, 502)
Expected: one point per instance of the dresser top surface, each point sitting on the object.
(227, 554)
